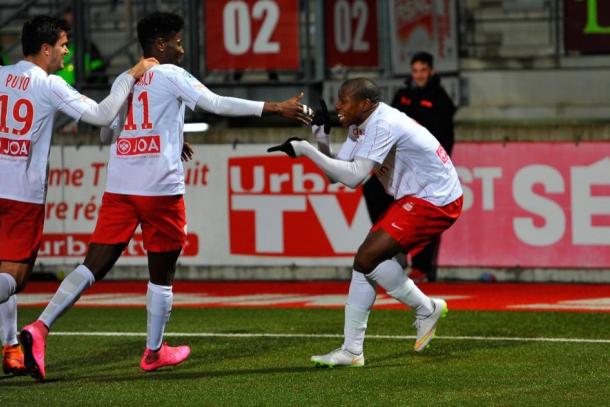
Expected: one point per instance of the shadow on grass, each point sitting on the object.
(104, 357)
(118, 361)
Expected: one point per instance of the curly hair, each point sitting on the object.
(158, 25)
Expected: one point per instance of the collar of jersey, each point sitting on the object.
(362, 125)
(33, 64)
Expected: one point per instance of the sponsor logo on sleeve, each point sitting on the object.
(442, 154)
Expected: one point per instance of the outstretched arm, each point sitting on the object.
(227, 106)
(350, 173)
(291, 109)
(230, 106)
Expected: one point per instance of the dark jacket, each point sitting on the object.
(430, 106)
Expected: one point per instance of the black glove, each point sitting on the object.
(322, 117)
(286, 147)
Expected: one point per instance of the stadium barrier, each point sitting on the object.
(532, 211)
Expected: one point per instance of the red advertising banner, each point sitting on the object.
(284, 207)
(76, 245)
(351, 33)
(532, 205)
(525, 205)
(587, 26)
(252, 34)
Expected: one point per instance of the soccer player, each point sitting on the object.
(145, 186)
(415, 169)
(29, 98)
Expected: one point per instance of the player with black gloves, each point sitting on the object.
(415, 169)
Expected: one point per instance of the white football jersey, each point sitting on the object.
(145, 157)
(29, 99)
(410, 159)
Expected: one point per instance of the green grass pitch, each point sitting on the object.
(275, 371)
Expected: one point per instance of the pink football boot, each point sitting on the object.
(165, 356)
(33, 338)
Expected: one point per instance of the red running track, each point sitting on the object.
(331, 294)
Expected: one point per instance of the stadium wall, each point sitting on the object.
(77, 180)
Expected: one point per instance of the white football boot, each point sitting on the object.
(338, 357)
(427, 326)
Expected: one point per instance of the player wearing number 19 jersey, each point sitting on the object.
(29, 98)
(146, 184)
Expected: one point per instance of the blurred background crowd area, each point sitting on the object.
(516, 69)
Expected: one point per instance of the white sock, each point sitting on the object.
(8, 321)
(392, 277)
(8, 286)
(360, 300)
(67, 294)
(159, 306)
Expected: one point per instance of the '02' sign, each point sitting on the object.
(279, 206)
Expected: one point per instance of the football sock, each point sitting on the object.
(8, 286)
(8, 321)
(360, 299)
(67, 294)
(159, 306)
(392, 277)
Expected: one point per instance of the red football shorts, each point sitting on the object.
(414, 222)
(21, 226)
(162, 219)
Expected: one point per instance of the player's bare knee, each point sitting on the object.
(21, 283)
(101, 258)
(98, 269)
(364, 263)
(19, 271)
(21, 279)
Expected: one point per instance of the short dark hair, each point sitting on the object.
(41, 30)
(423, 57)
(363, 88)
(158, 25)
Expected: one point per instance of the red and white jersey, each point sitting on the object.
(29, 99)
(410, 159)
(145, 157)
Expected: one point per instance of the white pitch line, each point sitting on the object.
(281, 335)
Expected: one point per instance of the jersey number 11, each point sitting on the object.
(129, 121)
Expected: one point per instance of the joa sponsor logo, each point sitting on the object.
(141, 145)
(280, 206)
(14, 148)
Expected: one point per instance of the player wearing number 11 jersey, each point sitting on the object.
(29, 98)
(146, 186)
